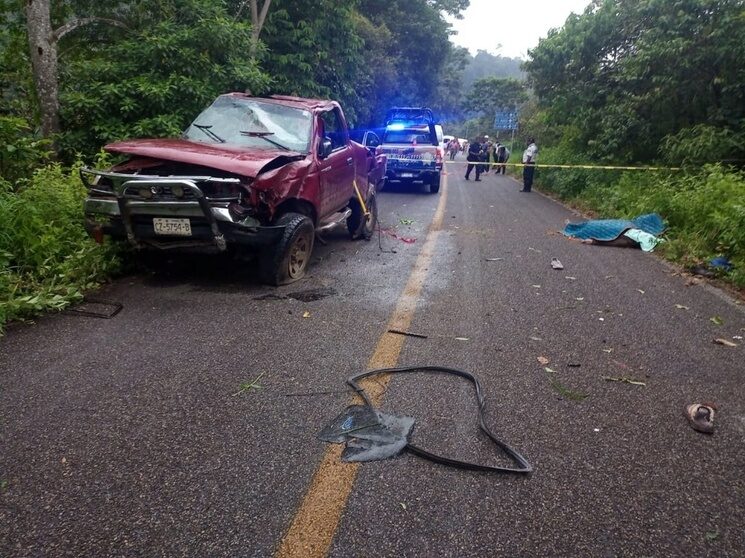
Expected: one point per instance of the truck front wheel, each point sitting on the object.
(288, 260)
(358, 224)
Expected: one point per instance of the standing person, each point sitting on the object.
(502, 156)
(474, 156)
(529, 157)
(453, 148)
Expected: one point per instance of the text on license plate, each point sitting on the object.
(173, 227)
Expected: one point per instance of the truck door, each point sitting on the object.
(337, 170)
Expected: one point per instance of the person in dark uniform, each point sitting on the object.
(474, 156)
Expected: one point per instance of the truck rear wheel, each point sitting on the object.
(434, 184)
(360, 226)
(287, 261)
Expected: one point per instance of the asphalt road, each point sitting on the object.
(131, 436)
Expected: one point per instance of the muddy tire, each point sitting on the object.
(287, 261)
(357, 224)
(434, 184)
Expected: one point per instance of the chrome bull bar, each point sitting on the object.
(121, 184)
(122, 200)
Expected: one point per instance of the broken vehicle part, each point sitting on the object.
(340, 428)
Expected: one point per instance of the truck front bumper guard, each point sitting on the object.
(121, 202)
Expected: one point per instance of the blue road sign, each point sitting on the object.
(506, 120)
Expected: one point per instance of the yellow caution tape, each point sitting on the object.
(601, 167)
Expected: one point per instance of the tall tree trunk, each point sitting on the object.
(257, 23)
(43, 48)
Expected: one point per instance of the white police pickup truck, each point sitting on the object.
(411, 146)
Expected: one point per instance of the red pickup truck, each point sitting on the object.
(264, 174)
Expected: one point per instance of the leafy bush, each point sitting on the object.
(47, 259)
(20, 150)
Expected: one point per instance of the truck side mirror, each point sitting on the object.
(325, 148)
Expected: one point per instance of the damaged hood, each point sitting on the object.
(236, 159)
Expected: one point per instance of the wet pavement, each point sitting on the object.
(132, 436)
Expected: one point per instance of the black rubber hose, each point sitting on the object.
(524, 466)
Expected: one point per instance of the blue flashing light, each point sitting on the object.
(397, 126)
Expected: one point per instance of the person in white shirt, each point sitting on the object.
(529, 157)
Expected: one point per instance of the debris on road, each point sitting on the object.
(94, 308)
(407, 333)
(717, 320)
(392, 234)
(701, 416)
(625, 380)
(371, 435)
(248, 386)
(368, 435)
(494, 259)
(406, 221)
(306, 314)
(681, 307)
(543, 360)
(556, 264)
(641, 232)
(462, 339)
(725, 342)
(561, 389)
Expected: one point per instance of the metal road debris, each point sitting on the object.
(369, 434)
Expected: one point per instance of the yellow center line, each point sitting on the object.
(312, 529)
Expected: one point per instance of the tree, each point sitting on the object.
(43, 42)
(490, 94)
(624, 75)
(153, 81)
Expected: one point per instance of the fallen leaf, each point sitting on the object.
(543, 360)
(306, 314)
(716, 320)
(681, 307)
(725, 343)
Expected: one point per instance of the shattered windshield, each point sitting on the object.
(252, 123)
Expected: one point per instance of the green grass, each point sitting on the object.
(47, 260)
(704, 209)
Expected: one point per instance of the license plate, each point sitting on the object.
(172, 227)
(407, 175)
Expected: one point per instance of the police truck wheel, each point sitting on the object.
(434, 184)
(287, 261)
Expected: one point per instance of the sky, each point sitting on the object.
(515, 24)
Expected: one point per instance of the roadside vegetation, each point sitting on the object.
(652, 83)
